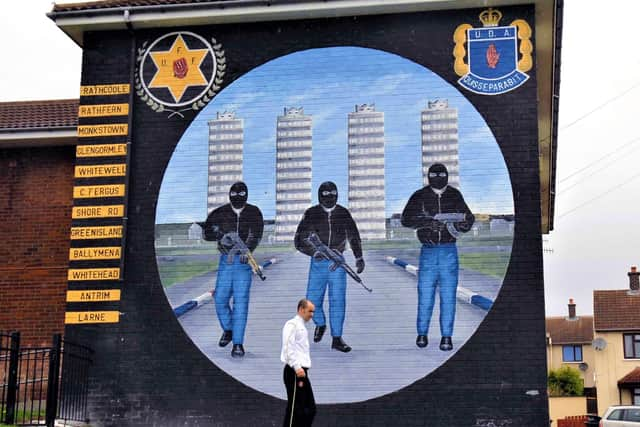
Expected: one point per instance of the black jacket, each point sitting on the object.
(334, 229)
(424, 203)
(249, 225)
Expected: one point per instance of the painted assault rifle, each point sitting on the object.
(449, 219)
(232, 240)
(335, 257)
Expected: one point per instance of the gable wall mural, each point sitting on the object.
(384, 167)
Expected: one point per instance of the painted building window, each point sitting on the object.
(632, 346)
(572, 353)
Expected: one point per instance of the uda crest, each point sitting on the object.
(178, 72)
(498, 57)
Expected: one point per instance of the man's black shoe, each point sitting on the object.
(225, 339)
(445, 344)
(238, 350)
(340, 345)
(319, 332)
(422, 341)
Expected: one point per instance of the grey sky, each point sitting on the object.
(593, 245)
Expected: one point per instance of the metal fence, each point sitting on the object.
(42, 384)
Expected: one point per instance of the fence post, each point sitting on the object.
(12, 380)
(53, 380)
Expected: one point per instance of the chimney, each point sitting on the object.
(572, 310)
(634, 279)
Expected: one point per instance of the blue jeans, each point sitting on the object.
(438, 267)
(319, 277)
(234, 280)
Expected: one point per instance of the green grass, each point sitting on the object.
(491, 263)
(179, 271)
(22, 416)
(213, 250)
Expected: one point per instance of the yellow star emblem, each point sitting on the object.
(178, 68)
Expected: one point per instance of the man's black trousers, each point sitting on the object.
(304, 407)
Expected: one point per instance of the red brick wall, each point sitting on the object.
(35, 216)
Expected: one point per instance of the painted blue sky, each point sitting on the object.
(328, 83)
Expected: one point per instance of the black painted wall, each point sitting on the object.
(148, 372)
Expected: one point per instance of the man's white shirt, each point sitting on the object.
(295, 344)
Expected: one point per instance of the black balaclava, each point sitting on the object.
(438, 176)
(238, 194)
(328, 194)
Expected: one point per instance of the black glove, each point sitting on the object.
(359, 265)
(212, 232)
(244, 259)
(430, 224)
(226, 242)
(439, 226)
(427, 222)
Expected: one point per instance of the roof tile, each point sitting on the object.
(565, 331)
(49, 114)
(632, 378)
(616, 310)
(106, 4)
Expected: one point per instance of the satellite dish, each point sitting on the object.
(583, 366)
(599, 344)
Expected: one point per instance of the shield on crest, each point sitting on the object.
(493, 61)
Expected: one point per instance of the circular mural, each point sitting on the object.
(364, 152)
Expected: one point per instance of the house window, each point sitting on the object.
(632, 346)
(572, 353)
(636, 396)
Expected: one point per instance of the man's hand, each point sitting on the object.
(300, 373)
(244, 259)
(360, 265)
(318, 256)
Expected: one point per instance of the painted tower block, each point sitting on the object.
(366, 171)
(226, 137)
(440, 139)
(293, 170)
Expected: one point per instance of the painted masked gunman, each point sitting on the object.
(334, 226)
(439, 214)
(243, 220)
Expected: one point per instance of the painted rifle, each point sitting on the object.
(335, 257)
(237, 246)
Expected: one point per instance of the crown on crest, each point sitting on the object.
(490, 17)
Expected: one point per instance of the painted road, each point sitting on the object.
(380, 326)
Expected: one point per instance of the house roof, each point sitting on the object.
(632, 379)
(565, 331)
(616, 310)
(37, 123)
(104, 4)
(59, 113)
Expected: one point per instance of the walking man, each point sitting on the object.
(439, 214)
(334, 226)
(301, 406)
(234, 272)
